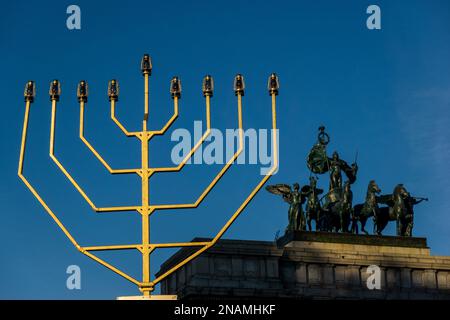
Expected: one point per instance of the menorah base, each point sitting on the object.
(152, 297)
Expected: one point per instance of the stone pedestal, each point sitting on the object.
(311, 265)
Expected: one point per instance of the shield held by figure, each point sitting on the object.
(318, 162)
(317, 159)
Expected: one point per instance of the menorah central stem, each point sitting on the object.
(145, 196)
(145, 214)
(145, 102)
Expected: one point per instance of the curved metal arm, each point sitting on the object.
(244, 204)
(47, 208)
(97, 155)
(263, 180)
(194, 149)
(28, 184)
(119, 124)
(75, 184)
(169, 122)
(218, 176)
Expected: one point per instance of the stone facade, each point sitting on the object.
(311, 265)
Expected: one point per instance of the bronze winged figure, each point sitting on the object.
(295, 198)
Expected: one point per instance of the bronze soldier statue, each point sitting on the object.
(313, 208)
(335, 173)
(408, 221)
(346, 207)
(402, 208)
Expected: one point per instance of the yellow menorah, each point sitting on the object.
(147, 285)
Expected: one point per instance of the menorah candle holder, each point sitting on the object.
(146, 208)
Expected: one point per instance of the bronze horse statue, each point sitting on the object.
(361, 212)
(395, 210)
(335, 216)
(400, 209)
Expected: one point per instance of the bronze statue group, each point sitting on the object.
(334, 211)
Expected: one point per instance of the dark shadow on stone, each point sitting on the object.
(310, 265)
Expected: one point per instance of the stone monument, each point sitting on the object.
(333, 262)
(312, 265)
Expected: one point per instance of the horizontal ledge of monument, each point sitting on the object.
(246, 247)
(417, 255)
(348, 256)
(245, 252)
(356, 248)
(364, 261)
(348, 238)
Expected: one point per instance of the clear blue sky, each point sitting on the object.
(385, 93)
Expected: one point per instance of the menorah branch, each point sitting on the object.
(169, 122)
(272, 170)
(182, 263)
(118, 123)
(113, 247)
(69, 177)
(244, 204)
(193, 149)
(140, 247)
(218, 176)
(29, 185)
(112, 268)
(94, 151)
